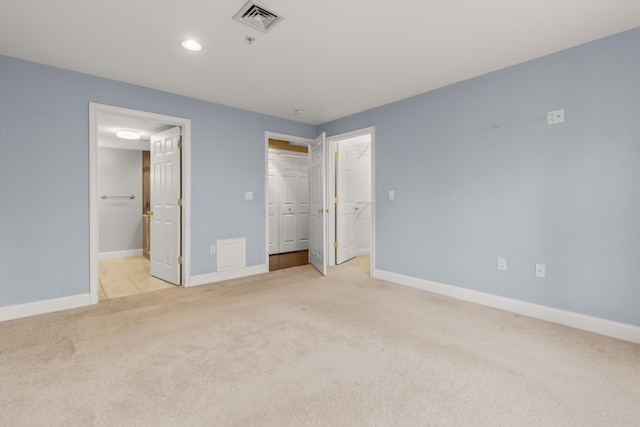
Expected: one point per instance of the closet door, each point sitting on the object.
(294, 202)
(346, 207)
(273, 203)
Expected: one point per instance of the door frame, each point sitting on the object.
(332, 145)
(95, 111)
(295, 140)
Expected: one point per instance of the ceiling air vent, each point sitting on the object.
(258, 16)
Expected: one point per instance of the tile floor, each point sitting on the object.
(120, 277)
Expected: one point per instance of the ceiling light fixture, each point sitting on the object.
(192, 45)
(128, 134)
(299, 111)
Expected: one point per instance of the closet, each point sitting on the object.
(288, 198)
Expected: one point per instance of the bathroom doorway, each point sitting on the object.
(124, 213)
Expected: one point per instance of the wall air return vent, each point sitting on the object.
(258, 16)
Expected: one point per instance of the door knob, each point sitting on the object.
(357, 209)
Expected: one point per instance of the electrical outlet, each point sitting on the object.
(502, 264)
(540, 270)
(555, 117)
(213, 249)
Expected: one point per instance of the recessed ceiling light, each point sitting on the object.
(191, 45)
(128, 134)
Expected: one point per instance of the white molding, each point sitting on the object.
(119, 254)
(45, 306)
(597, 325)
(205, 279)
(96, 110)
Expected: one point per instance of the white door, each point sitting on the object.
(317, 196)
(294, 203)
(166, 216)
(272, 204)
(346, 207)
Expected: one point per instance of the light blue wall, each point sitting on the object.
(478, 174)
(119, 219)
(44, 175)
(476, 170)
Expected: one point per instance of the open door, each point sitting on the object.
(165, 206)
(272, 205)
(317, 196)
(346, 205)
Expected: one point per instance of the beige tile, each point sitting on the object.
(107, 262)
(112, 273)
(147, 283)
(135, 266)
(134, 271)
(121, 289)
(115, 280)
(131, 258)
(121, 277)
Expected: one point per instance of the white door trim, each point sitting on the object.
(295, 140)
(95, 110)
(332, 142)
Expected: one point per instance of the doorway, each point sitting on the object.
(287, 204)
(351, 191)
(360, 146)
(104, 120)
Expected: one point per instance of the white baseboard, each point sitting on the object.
(119, 254)
(42, 307)
(204, 279)
(609, 328)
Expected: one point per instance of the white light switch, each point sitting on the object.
(248, 195)
(540, 270)
(392, 195)
(502, 264)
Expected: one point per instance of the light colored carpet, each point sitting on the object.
(293, 348)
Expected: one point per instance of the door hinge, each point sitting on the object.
(335, 154)
(335, 244)
(335, 200)
(180, 142)
(180, 260)
(179, 202)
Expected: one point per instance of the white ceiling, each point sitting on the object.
(331, 58)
